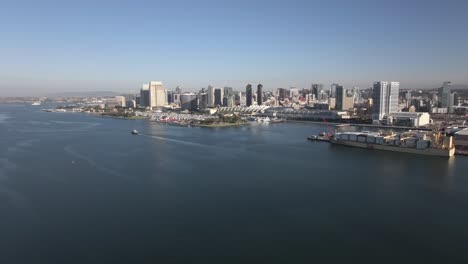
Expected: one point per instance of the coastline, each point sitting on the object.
(358, 125)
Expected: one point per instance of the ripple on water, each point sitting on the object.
(3, 118)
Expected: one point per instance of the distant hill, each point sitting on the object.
(84, 94)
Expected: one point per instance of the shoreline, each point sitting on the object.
(202, 125)
(358, 125)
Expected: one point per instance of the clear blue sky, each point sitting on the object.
(50, 46)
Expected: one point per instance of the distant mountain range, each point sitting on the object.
(84, 94)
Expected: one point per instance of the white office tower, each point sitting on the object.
(384, 99)
(210, 96)
(120, 100)
(158, 95)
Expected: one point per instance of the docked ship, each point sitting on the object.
(461, 142)
(414, 142)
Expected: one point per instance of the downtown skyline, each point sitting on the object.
(64, 47)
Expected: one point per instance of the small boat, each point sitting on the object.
(321, 137)
(135, 132)
(36, 103)
(342, 125)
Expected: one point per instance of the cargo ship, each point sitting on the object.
(461, 142)
(414, 142)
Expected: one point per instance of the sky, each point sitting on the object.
(63, 46)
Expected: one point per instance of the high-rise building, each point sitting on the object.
(259, 94)
(145, 96)
(189, 101)
(228, 91)
(282, 93)
(340, 94)
(158, 97)
(447, 96)
(202, 100)
(293, 91)
(210, 96)
(456, 99)
(170, 97)
(120, 101)
(248, 95)
(333, 90)
(384, 99)
(218, 97)
(316, 88)
(228, 101)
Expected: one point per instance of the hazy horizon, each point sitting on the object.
(53, 46)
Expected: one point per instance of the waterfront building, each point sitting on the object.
(228, 91)
(259, 94)
(120, 101)
(145, 96)
(333, 90)
(130, 104)
(384, 99)
(170, 97)
(228, 101)
(202, 100)
(332, 102)
(411, 119)
(343, 100)
(210, 96)
(158, 97)
(282, 93)
(176, 98)
(218, 97)
(340, 94)
(451, 108)
(445, 92)
(293, 91)
(316, 88)
(189, 101)
(248, 95)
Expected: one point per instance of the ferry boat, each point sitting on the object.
(36, 103)
(414, 142)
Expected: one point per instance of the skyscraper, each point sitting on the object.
(384, 99)
(333, 90)
(316, 88)
(218, 97)
(259, 94)
(340, 95)
(145, 96)
(282, 93)
(210, 96)
(248, 94)
(202, 100)
(228, 91)
(189, 101)
(158, 97)
(447, 97)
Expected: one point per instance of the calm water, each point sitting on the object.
(80, 189)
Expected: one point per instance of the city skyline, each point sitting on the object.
(51, 47)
